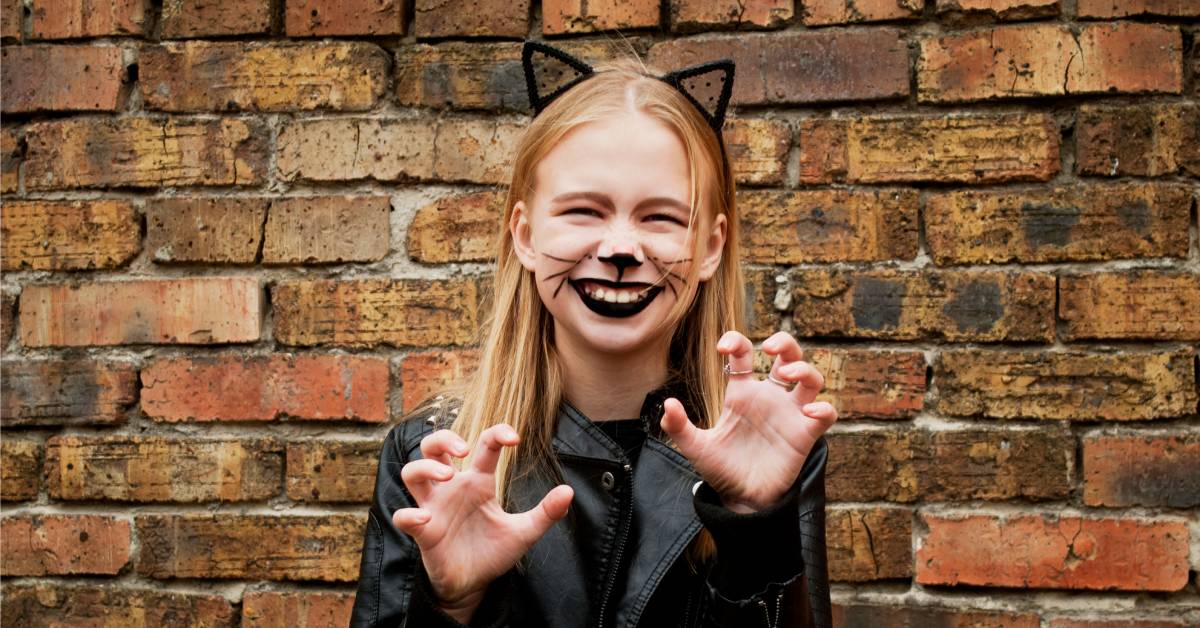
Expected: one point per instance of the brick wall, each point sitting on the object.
(240, 238)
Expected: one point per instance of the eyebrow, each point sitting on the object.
(603, 199)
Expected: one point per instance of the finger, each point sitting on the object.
(419, 476)
(786, 350)
(822, 412)
(534, 523)
(491, 441)
(411, 521)
(442, 444)
(676, 424)
(740, 351)
(809, 380)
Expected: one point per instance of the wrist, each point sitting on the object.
(463, 608)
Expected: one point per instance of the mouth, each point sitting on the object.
(615, 299)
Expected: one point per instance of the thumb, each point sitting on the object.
(534, 523)
(676, 424)
(411, 521)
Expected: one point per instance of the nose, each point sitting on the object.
(621, 249)
(621, 261)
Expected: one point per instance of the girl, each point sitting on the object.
(629, 468)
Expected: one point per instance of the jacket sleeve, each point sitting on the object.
(770, 568)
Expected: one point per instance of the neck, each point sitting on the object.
(608, 387)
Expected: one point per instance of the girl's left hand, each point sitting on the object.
(754, 452)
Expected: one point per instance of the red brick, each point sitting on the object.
(71, 19)
(1032, 60)
(266, 388)
(866, 544)
(916, 616)
(1128, 469)
(69, 235)
(144, 152)
(801, 66)
(155, 469)
(198, 310)
(8, 304)
(251, 547)
(476, 151)
(182, 19)
(1059, 224)
(823, 12)
(76, 391)
(1116, 623)
(758, 149)
(11, 152)
(340, 149)
(20, 469)
(968, 148)
(1074, 385)
(485, 18)
(1148, 140)
(57, 604)
(586, 16)
(689, 15)
(10, 19)
(332, 471)
(828, 225)
(458, 228)
(869, 383)
(1126, 8)
(764, 289)
(999, 9)
(908, 305)
(211, 230)
(58, 545)
(296, 609)
(1053, 552)
(1158, 305)
(371, 312)
(316, 229)
(227, 76)
(426, 373)
(305, 18)
(41, 78)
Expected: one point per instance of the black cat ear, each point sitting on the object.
(549, 72)
(709, 86)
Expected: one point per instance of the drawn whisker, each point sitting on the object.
(562, 272)
(573, 263)
(560, 285)
(569, 261)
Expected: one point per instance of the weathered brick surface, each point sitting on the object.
(1127, 8)
(66, 392)
(10, 20)
(1001, 9)
(866, 544)
(477, 151)
(371, 312)
(305, 18)
(1032, 60)
(689, 15)
(1116, 623)
(1147, 140)
(40, 78)
(69, 235)
(863, 615)
(228, 76)
(423, 374)
(1077, 223)
(758, 149)
(864, 383)
(266, 388)
(763, 317)
(1050, 551)
(801, 66)
(20, 469)
(486, 18)
(182, 19)
(456, 228)
(825, 12)
(1129, 469)
(332, 471)
(144, 152)
(156, 469)
(1076, 385)
(828, 225)
(8, 306)
(585, 16)
(296, 609)
(979, 306)
(210, 230)
(1160, 305)
(327, 229)
(56, 545)
(273, 547)
(10, 159)
(51, 605)
(197, 310)
(70, 19)
(973, 148)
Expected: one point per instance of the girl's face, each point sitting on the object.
(605, 233)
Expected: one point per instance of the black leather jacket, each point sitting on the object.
(618, 558)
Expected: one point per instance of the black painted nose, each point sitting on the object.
(621, 261)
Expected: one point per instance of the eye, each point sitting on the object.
(582, 211)
(666, 217)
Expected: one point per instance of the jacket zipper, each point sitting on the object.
(624, 535)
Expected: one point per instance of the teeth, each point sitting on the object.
(624, 297)
(617, 296)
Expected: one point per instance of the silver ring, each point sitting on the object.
(787, 385)
(729, 372)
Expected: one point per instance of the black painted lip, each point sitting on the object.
(614, 310)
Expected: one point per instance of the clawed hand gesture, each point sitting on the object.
(755, 450)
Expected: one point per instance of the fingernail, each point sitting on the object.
(810, 408)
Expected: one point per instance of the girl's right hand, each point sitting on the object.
(467, 540)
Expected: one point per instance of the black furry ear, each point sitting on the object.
(709, 87)
(549, 72)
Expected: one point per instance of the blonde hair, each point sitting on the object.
(518, 380)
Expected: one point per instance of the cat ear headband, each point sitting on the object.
(549, 72)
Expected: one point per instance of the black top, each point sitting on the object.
(628, 433)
